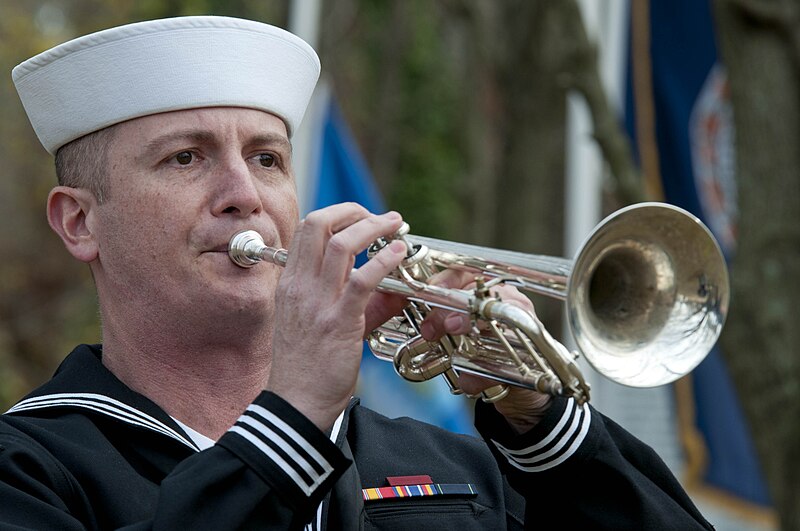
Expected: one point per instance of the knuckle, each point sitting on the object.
(435, 318)
(356, 206)
(382, 260)
(288, 290)
(360, 284)
(451, 278)
(338, 244)
(518, 299)
(385, 261)
(314, 219)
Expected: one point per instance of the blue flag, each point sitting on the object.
(344, 176)
(690, 137)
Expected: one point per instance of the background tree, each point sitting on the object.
(760, 44)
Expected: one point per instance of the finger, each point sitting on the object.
(451, 278)
(311, 237)
(435, 324)
(512, 295)
(440, 322)
(366, 278)
(473, 384)
(522, 408)
(432, 328)
(519, 398)
(380, 308)
(343, 246)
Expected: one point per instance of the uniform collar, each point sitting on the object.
(83, 382)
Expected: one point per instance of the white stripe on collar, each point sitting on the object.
(104, 405)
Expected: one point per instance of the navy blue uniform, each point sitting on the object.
(85, 452)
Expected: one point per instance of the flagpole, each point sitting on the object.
(304, 20)
(583, 173)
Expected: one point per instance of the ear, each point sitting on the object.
(69, 212)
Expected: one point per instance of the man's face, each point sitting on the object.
(181, 184)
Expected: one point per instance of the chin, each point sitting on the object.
(239, 313)
(247, 295)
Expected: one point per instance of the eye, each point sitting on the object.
(266, 160)
(184, 157)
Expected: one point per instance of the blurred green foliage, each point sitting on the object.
(398, 52)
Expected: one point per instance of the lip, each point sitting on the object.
(223, 247)
(219, 240)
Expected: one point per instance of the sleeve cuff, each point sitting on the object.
(563, 434)
(286, 450)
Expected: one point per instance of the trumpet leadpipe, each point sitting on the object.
(247, 248)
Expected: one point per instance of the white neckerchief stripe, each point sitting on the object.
(91, 403)
(334, 435)
(566, 453)
(101, 404)
(281, 462)
(94, 406)
(291, 434)
(81, 398)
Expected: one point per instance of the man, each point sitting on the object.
(221, 397)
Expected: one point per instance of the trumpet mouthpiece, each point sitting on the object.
(245, 248)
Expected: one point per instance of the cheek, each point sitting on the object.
(135, 220)
(282, 207)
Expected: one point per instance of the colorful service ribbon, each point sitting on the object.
(430, 489)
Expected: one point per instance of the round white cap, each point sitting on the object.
(144, 68)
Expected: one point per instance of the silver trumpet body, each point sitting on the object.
(646, 299)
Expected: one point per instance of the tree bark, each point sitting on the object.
(759, 45)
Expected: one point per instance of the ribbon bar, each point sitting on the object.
(409, 491)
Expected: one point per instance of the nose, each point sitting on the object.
(237, 191)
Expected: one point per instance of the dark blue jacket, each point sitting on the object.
(85, 452)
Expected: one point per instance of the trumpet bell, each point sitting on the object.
(648, 295)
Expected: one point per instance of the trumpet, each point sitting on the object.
(646, 299)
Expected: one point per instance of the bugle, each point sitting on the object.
(646, 298)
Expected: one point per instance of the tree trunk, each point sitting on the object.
(759, 45)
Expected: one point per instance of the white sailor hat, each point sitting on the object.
(144, 68)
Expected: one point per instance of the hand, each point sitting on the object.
(522, 408)
(321, 303)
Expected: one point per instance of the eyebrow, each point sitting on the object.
(271, 139)
(193, 135)
(199, 136)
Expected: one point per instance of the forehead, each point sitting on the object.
(220, 123)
